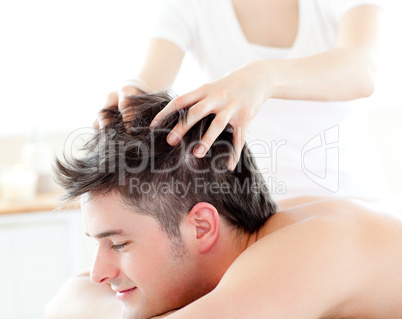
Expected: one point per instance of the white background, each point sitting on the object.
(59, 59)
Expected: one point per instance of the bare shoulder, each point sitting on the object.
(338, 210)
(325, 264)
(331, 256)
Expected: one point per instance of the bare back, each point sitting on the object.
(325, 259)
(377, 275)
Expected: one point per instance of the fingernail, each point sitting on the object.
(172, 139)
(199, 151)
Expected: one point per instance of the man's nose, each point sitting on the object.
(103, 268)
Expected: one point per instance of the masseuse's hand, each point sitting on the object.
(234, 99)
(117, 100)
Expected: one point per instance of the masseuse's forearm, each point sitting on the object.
(336, 75)
(161, 65)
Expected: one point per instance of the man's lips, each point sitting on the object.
(124, 294)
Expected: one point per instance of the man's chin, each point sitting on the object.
(138, 313)
(131, 313)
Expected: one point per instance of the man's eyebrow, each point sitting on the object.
(108, 233)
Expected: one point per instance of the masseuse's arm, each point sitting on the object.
(344, 73)
(80, 298)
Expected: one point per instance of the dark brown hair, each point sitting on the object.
(162, 181)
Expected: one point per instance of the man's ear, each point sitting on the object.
(204, 219)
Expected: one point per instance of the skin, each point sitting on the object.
(343, 73)
(172, 276)
(327, 258)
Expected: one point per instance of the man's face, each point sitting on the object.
(138, 260)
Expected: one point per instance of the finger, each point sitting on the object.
(124, 93)
(215, 129)
(239, 139)
(126, 111)
(195, 113)
(112, 100)
(179, 103)
(103, 119)
(95, 124)
(111, 104)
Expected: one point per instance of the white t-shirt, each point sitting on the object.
(302, 147)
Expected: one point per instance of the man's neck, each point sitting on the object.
(272, 224)
(231, 245)
(250, 239)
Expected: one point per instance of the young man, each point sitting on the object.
(187, 238)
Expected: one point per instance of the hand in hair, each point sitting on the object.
(119, 100)
(234, 99)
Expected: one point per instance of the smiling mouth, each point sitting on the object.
(124, 294)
